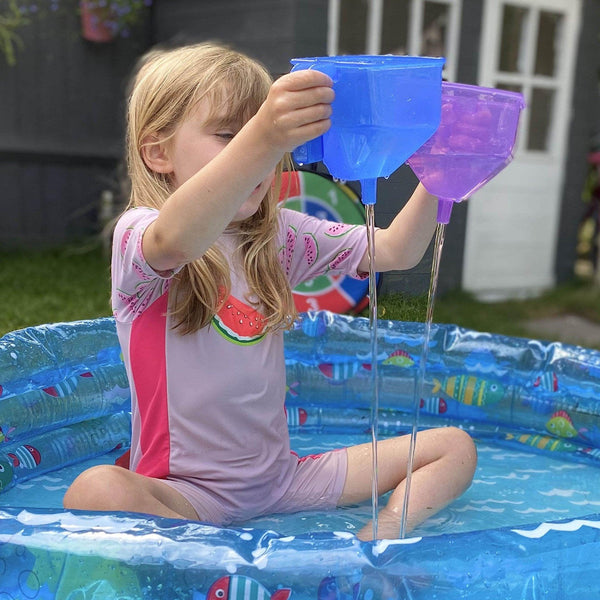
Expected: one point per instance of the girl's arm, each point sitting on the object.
(296, 110)
(402, 245)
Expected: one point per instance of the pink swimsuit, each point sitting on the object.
(208, 414)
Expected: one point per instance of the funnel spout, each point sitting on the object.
(368, 188)
(444, 210)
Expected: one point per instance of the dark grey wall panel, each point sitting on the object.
(585, 124)
(61, 128)
(272, 31)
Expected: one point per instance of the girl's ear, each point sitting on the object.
(155, 155)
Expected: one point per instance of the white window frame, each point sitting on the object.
(417, 10)
(561, 82)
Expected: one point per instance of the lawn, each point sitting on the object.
(512, 317)
(73, 283)
(56, 285)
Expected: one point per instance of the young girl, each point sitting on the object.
(208, 133)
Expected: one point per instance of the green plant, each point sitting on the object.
(11, 19)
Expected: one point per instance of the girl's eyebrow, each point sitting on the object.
(224, 121)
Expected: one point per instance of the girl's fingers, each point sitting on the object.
(282, 101)
(307, 78)
(297, 109)
(302, 88)
(303, 124)
(306, 115)
(311, 131)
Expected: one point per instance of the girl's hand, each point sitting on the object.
(297, 109)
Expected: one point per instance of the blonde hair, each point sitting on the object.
(167, 88)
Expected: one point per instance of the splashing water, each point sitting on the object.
(435, 268)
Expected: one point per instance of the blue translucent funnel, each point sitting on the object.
(385, 108)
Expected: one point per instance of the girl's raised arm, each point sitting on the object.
(206, 200)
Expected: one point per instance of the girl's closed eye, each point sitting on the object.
(225, 135)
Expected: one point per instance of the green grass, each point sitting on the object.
(64, 284)
(577, 297)
(511, 317)
(73, 283)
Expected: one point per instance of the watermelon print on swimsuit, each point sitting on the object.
(311, 249)
(239, 323)
(286, 252)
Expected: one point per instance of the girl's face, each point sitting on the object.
(197, 141)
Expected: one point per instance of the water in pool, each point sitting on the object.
(510, 488)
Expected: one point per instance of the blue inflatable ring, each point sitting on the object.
(64, 398)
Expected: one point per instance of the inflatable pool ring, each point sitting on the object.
(322, 197)
(534, 396)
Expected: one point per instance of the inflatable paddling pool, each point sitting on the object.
(524, 530)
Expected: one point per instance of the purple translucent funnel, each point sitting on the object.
(473, 143)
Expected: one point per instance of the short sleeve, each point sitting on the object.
(135, 284)
(309, 246)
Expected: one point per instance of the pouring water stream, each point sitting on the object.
(370, 218)
(419, 384)
(369, 196)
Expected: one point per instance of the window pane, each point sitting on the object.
(435, 29)
(513, 27)
(353, 27)
(548, 43)
(394, 27)
(540, 116)
(510, 87)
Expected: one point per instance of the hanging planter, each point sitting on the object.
(104, 20)
(97, 21)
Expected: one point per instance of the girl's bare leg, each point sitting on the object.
(112, 488)
(444, 464)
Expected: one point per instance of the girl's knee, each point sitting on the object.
(461, 448)
(460, 440)
(98, 488)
